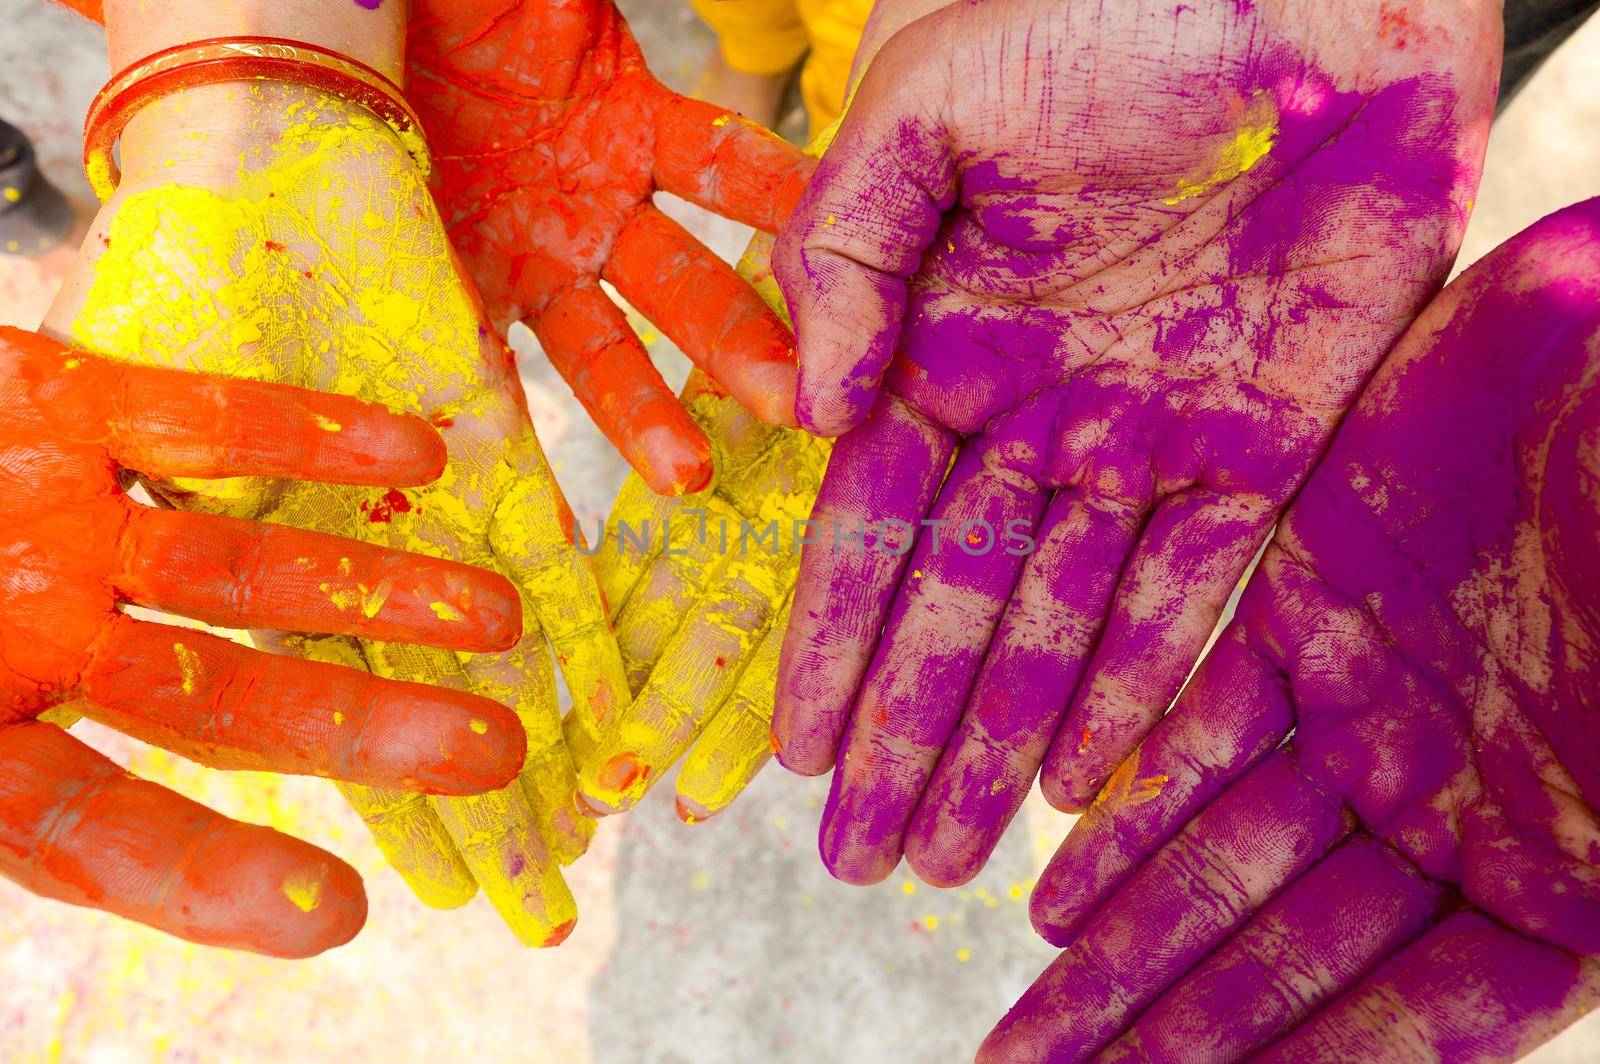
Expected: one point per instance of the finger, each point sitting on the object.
(171, 423)
(845, 587)
(246, 574)
(1034, 662)
(1240, 851)
(686, 562)
(692, 680)
(403, 824)
(496, 841)
(1362, 903)
(77, 828)
(589, 341)
(228, 706)
(524, 678)
(536, 540)
(628, 556)
(1469, 990)
(1193, 553)
(962, 574)
(730, 166)
(844, 260)
(631, 541)
(499, 839)
(737, 744)
(1235, 711)
(415, 843)
(708, 310)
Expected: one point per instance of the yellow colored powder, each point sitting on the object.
(446, 612)
(304, 890)
(188, 667)
(1252, 142)
(322, 264)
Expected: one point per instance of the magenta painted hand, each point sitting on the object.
(1120, 269)
(1425, 627)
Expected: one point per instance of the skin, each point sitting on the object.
(1090, 303)
(74, 549)
(1423, 625)
(701, 605)
(292, 239)
(552, 138)
(504, 203)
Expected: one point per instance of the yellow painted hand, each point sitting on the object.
(319, 261)
(699, 588)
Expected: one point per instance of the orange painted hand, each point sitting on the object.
(316, 258)
(74, 548)
(550, 138)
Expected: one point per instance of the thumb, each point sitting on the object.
(859, 234)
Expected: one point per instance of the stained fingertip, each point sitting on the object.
(495, 610)
(1050, 915)
(827, 408)
(559, 934)
(673, 459)
(997, 1048)
(769, 392)
(250, 887)
(939, 867)
(858, 869)
(616, 785)
(1068, 795)
(442, 604)
(795, 744)
(853, 853)
(692, 812)
(801, 762)
(957, 827)
(379, 446)
(437, 741)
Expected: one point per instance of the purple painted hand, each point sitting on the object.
(1091, 285)
(1425, 626)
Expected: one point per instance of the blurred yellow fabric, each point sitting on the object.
(769, 37)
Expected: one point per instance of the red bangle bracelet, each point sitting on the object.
(223, 59)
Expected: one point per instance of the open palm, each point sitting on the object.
(1097, 282)
(552, 138)
(1424, 626)
(320, 261)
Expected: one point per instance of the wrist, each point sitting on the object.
(204, 133)
(374, 35)
(211, 136)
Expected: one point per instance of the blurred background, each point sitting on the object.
(716, 943)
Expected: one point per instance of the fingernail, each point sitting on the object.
(669, 462)
(692, 812)
(559, 934)
(622, 772)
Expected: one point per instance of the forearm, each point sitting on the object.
(207, 128)
(370, 31)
